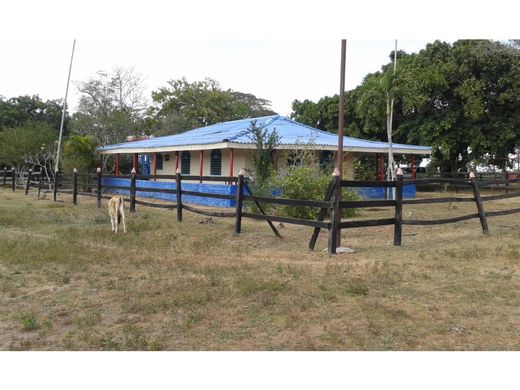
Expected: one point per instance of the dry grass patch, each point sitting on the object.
(67, 283)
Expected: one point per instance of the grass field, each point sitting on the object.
(67, 283)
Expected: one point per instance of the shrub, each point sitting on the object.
(306, 182)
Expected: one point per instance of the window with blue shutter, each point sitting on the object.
(185, 163)
(216, 163)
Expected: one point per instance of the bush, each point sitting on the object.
(305, 182)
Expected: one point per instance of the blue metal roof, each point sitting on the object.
(290, 132)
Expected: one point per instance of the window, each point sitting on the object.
(216, 163)
(185, 163)
(159, 161)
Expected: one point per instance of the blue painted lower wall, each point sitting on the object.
(190, 199)
(379, 192)
(365, 192)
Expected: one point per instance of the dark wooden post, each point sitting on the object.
(75, 187)
(13, 179)
(40, 184)
(5, 176)
(335, 213)
(28, 182)
(398, 227)
(98, 185)
(239, 200)
(132, 191)
(480, 206)
(178, 189)
(56, 184)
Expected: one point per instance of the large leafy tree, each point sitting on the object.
(111, 106)
(182, 105)
(22, 110)
(463, 99)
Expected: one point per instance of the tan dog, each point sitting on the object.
(116, 209)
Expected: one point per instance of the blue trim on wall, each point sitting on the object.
(364, 192)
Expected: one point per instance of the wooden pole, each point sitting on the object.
(335, 214)
(480, 206)
(398, 227)
(178, 188)
(98, 184)
(341, 124)
(239, 200)
(177, 161)
(132, 190)
(5, 176)
(13, 179)
(28, 182)
(56, 185)
(75, 187)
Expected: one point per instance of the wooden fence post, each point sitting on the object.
(28, 182)
(98, 187)
(239, 200)
(335, 213)
(178, 189)
(398, 227)
(480, 206)
(132, 191)
(75, 186)
(13, 179)
(56, 184)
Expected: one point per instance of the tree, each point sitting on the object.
(262, 160)
(182, 105)
(79, 152)
(111, 106)
(379, 93)
(31, 147)
(22, 110)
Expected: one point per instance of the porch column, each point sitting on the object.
(348, 166)
(231, 159)
(154, 166)
(177, 161)
(101, 162)
(413, 167)
(201, 163)
(378, 165)
(117, 163)
(135, 163)
(381, 168)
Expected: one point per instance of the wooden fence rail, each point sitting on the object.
(330, 208)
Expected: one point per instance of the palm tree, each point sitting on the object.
(380, 92)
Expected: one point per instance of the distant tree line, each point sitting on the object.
(463, 99)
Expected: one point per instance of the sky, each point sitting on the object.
(277, 70)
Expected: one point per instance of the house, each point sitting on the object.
(224, 148)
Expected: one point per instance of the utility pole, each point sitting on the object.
(56, 169)
(341, 123)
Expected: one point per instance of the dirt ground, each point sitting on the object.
(68, 283)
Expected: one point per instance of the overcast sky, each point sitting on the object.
(277, 50)
(277, 70)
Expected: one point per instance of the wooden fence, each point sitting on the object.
(330, 208)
